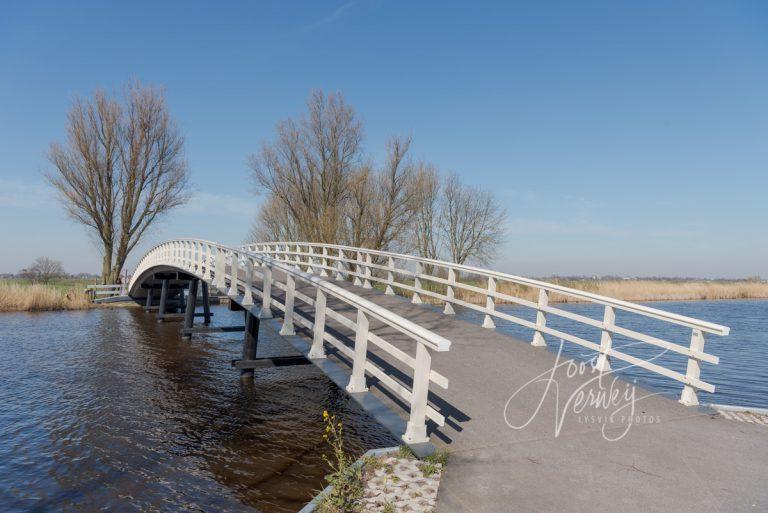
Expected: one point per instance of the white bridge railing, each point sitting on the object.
(242, 274)
(97, 292)
(409, 273)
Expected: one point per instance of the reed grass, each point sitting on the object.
(18, 296)
(636, 290)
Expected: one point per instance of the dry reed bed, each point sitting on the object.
(628, 290)
(16, 297)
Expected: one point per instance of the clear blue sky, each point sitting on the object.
(624, 137)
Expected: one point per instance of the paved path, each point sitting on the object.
(672, 458)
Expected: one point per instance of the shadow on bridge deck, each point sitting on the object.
(562, 454)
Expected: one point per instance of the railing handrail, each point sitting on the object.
(198, 259)
(420, 334)
(683, 320)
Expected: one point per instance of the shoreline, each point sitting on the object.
(634, 291)
(28, 297)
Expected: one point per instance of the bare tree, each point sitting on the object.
(471, 221)
(274, 222)
(424, 228)
(43, 270)
(121, 169)
(308, 167)
(319, 189)
(383, 204)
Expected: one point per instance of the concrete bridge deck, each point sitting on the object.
(672, 458)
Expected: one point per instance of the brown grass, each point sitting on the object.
(658, 290)
(628, 290)
(19, 297)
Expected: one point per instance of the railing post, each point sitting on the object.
(248, 294)
(266, 297)
(416, 429)
(290, 291)
(367, 281)
(310, 260)
(209, 265)
(234, 271)
(390, 277)
(221, 268)
(317, 350)
(192, 256)
(490, 303)
(324, 271)
(416, 299)
(297, 257)
(541, 320)
(689, 397)
(340, 267)
(357, 380)
(356, 281)
(188, 253)
(448, 310)
(606, 340)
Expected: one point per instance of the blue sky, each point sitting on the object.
(624, 137)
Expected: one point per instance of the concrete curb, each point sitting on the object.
(310, 507)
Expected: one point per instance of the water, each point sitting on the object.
(107, 409)
(110, 410)
(740, 379)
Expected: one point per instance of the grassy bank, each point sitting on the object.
(636, 290)
(21, 296)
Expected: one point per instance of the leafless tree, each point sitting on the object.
(307, 169)
(274, 223)
(319, 188)
(383, 203)
(43, 270)
(424, 227)
(471, 221)
(121, 169)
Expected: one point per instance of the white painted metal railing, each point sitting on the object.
(243, 274)
(408, 273)
(96, 292)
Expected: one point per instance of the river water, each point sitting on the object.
(740, 379)
(109, 410)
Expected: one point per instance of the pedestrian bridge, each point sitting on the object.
(529, 428)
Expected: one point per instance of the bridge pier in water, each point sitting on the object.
(189, 313)
(250, 343)
(163, 300)
(206, 304)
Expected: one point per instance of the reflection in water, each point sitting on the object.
(108, 409)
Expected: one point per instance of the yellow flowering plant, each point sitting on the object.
(345, 478)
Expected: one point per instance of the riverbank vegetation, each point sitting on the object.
(26, 296)
(635, 290)
(377, 483)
